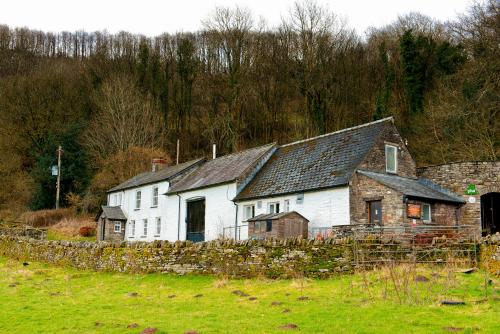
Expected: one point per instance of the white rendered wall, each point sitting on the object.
(220, 211)
(322, 208)
(146, 211)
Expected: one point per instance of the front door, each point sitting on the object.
(375, 212)
(195, 220)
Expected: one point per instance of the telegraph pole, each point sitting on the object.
(58, 184)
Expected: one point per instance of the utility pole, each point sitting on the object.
(58, 184)
(177, 159)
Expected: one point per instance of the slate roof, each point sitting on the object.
(153, 177)
(419, 188)
(113, 213)
(273, 216)
(225, 169)
(321, 162)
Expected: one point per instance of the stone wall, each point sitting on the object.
(375, 160)
(456, 177)
(364, 189)
(289, 258)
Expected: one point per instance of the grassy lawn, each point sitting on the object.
(54, 235)
(43, 299)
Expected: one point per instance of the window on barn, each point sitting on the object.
(145, 227)
(274, 207)
(155, 197)
(158, 226)
(138, 200)
(249, 211)
(426, 213)
(391, 158)
(118, 227)
(132, 227)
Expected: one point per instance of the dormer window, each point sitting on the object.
(391, 159)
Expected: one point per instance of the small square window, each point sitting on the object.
(118, 227)
(274, 207)
(300, 199)
(249, 211)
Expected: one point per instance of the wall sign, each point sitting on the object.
(413, 210)
(471, 190)
(472, 199)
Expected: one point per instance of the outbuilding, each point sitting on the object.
(278, 225)
(111, 224)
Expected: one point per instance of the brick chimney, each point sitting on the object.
(157, 164)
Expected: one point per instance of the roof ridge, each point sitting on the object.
(340, 131)
(242, 151)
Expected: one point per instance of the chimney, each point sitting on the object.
(214, 151)
(158, 164)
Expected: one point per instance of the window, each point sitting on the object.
(274, 207)
(426, 213)
(132, 227)
(300, 199)
(286, 205)
(249, 211)
(269, 225)
(145, 227)
(391, 159)
(138, 200)
(119, 199)
(155, 196)
(118, 227)
(158, 226)
(259, 205)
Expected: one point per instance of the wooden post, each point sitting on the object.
(58, 184)
(177, 159)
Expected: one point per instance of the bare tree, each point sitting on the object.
(125, 119)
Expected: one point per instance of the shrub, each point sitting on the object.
(87, 231)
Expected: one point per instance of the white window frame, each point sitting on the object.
(119, 225)
(300, 198)
(275, 205)
(154, 200)
(158, 227)
(430, 212)
(132, 224)
(120, 198)
(250, 207)
(286, 205)
(138, 199)
(395, 159)
(145, 227)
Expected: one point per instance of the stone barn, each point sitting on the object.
(278, 225)
(111, 224)
(478, 183)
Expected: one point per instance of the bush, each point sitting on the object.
(87, 231)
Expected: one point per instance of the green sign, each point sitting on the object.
(471, 190)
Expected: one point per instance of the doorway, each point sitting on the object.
(195, 220)
(490, 213)
(375, 212)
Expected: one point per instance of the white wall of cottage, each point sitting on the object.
(322, 208)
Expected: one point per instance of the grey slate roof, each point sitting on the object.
(321, 162)
(225, 169)
(113, 213)
(420, 188)
(153, 177)
(273, 216)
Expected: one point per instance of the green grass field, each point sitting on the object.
(43, 299)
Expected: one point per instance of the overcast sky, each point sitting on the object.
(152, 17)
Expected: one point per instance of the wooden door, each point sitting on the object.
(195, 220)
(375, 212)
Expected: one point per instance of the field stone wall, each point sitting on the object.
(266, 258)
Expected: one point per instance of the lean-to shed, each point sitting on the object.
(278, 225)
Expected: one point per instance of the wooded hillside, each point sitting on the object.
(114, 101)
